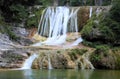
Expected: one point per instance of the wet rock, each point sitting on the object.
(60, 60)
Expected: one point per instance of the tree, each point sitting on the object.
(15, 10)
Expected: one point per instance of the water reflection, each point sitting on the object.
(57, 74)
(60, 74)
(27, 74)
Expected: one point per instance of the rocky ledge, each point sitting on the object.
(76, 58)
(12, 58)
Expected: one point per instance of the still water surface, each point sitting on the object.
(60, 74)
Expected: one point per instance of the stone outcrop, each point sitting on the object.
(5, 42)
(63, 59)
(22, 35)
(106, 60)
(12, 58)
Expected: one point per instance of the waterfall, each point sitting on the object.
(75, 43)
(49, 63)
(28, 63)
(55, 23)
(90, 14)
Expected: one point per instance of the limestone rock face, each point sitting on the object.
(22, 33)
(62, 59)
(12, 59)
(5, 42)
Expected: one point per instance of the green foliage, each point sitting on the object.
(14, 10)
(116, 53)
(87, 29)
(102, 49)
(34, 20)
(74, 52)
(102, 29)
(78, 51)
(116, 49)
(91, 30)
(100, 56)
(8, 31)
(31, 22)
(87, 43)
(95, 58)
(47, 2)
(91, 44)
(115, 12)
(19, 12)
(112, 29)
(74, 2)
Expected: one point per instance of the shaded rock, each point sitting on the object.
(106, 59)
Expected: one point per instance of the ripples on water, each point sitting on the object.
(60, 74)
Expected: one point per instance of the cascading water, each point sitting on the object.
(55, 23)
(75, 43)
(90, 14)
(28, 63)
(49, 63)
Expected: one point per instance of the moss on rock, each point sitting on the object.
(105, 58)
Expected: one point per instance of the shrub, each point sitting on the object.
(100, 52)
(104, 49)
(34, 20)
(74, 52)
(102, 29)
(115, 11)
(10, 33)
(19, 11)
(101, 58)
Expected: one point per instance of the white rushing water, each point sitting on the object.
(49, 63)
(55, 23)
(90, 14)
(75, 43)
(28, 62)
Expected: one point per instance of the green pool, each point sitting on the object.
(60, 74)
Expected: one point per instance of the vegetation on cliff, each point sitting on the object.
(102, 33)
(104, 28)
